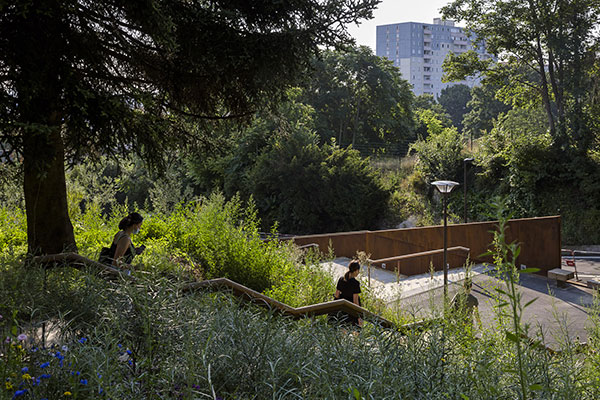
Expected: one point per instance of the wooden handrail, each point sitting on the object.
(330, 307)
(454, 249)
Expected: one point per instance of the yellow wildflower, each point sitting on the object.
(26, 377)
(9, 385)
(67, 393)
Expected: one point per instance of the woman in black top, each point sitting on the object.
(348, 288)
(124, 251)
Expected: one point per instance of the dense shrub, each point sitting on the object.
(308, 188)
(440, 153)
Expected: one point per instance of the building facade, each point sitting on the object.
(419, 49)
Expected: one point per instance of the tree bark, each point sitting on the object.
(49, 229)
(545, 91)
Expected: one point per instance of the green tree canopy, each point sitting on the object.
(440, 153)
(297, 182)
(83, 78)
(360, 99)
(455, 100)
(484, 108)
(546, 51)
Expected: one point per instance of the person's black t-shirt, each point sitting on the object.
(348, 288)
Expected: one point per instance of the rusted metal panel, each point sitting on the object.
(539, 239)
(345, 244)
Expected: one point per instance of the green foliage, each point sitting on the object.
(510, 305)
(360, 99)
(312, 189)
(440, 153)
(545, 52)
(297, 183)
(455, 100)
(428, 102)
(148, 339)
(516, 158)
(115, 78)
(484, 109)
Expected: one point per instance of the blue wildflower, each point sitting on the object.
(119, 345)
(19, 393)
(100, 391)
(82, 340)
(83, 381)
(44, 365)
(60, 358)
(24, 370)
(45, 376)
(129, 362)
(128, 352)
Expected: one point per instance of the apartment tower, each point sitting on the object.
(419, 49)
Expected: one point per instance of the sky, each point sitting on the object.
(394, 11)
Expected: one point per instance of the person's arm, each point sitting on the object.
(122, 246)
(337, 293)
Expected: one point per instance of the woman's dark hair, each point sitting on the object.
(353, 266)
(131, 219)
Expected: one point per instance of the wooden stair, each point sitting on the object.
(330, 307)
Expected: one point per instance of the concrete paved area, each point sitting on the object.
(559, 313)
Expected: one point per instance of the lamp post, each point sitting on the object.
(445, 187)
(465, 162)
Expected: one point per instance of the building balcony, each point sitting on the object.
(427, 31)
(427, 60)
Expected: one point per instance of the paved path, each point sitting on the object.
(557, 312)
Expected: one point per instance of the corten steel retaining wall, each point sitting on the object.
(539, 239)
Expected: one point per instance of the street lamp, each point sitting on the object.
(445, 187)
(465, 162)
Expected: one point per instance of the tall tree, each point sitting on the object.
(454, 99)
(360, 99)
(81, 78)
(484, 108)
(546, 51)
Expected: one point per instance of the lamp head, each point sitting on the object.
(444, 186)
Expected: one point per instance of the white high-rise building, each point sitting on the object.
(419, 49)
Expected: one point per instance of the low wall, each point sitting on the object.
(539, 239)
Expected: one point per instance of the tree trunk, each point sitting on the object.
(545, 91)
(49, 229)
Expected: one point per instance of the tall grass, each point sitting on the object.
(92, 338)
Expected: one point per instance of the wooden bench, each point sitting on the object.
(561, 276)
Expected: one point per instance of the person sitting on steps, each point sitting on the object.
(122, 250)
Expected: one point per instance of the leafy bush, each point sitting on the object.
(440, 154)
(312, 189)
(296, 182)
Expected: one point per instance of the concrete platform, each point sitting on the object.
(559, 313)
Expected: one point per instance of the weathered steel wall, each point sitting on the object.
(539, 239)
